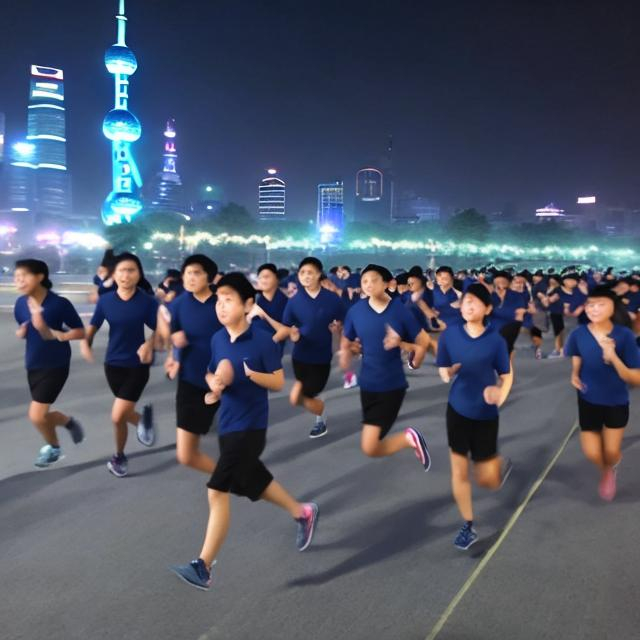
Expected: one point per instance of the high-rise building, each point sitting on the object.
(330, 216)
(167, 192)
(122, 128)
(371, 202)
(272, 197)
(2, 134)
(412, 208)
(22, 180)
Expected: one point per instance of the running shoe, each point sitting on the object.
(555, 354)
(48, 455)
(420, 447)
(607, 488)
(319, 430)
(76, 430)
(118, 465)
(195, 573)
(466, 537)
(350, 380)
(538, 353)
(410, 361)
(505, 471)
(307, 525)
(146, 430)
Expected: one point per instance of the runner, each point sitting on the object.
(42, 315)
(270, 303)
(446, 299)
(245, 365)
(472, 354)
(129, 354)
(605, 360)
(310, 318)
(552, 302)
(382, 326)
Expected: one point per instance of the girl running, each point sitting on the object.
(472, 354)
(270, 303)
(552, 302)
(129, 354)
(446, 299)
(605, 360)
(42, 317)
(245, 365)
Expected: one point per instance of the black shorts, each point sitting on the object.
(314, 377)
(239, 469)
(381, 408)
(127, 383)
(557, 322)
(46, 384)
(192, 413)
(477, 437)
(593, 417)
(510, 333)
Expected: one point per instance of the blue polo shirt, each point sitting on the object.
(574, 300)
(504, 311)
(126, 320)
(604, 385)
(274, 308)
(381, 370)
(557, 306)
(313, 317)
(58, 313)
(442, 303)
(481, 359)
(244, 405)
(199, 321)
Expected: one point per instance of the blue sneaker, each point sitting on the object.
(307, 525)
(48, 455)
(118, 465)
(466, 537)
(146, 430)
(420, 447)
(319, 430)
(76, 430)
(195, 573)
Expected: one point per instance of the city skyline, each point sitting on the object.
(481, 114)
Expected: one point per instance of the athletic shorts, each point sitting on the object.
(593, 417)
(557, 322)
(127, 383)
(192, 413)
(476, 437)
(381, 408)
(510, 333)
(535, 332)
(46, 384)
(314, 377)
(239, 469)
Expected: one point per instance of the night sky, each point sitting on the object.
(488, 102)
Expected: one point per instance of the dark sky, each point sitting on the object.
(488, 102)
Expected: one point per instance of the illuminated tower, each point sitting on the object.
(122, 128)
(271, 197)
(166, 190)
(330, 215)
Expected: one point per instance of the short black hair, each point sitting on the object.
(269, 266)
(36, 267)
(312, 261)
(445, 269)
(239, 283)
(383, 271)
(205, 262)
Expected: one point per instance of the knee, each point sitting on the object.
(369, 448)
(612, 455)
(36, 416)
(488, 482)
(185, 456)
(459, 476)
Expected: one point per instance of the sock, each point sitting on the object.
(322, 418)
(470, 523)
(67, 423)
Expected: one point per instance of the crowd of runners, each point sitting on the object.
(222, 338)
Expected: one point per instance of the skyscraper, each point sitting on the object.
(122, 128)
(330, 216)
(2, 121)
(371, 203)
(167, 193)
(272, 197)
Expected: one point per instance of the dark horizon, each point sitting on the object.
(525, 103)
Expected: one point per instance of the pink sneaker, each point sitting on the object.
(607, 487)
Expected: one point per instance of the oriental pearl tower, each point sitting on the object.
(122, 128)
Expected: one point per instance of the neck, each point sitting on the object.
(269, 293)
(40, 294)
(313, 290)
(475, 327)
(126, 294)
(604, 326)
(237, 328)
(203, 294)
(380, 300)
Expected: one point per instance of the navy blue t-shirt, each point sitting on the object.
(557, 306)
(58, 313)
(504, 311)
(633, 304)
(244, 405)
(126, 320)
(274, 308)
(99, 282)
(381, 370)
(442, 303)
(416, 311)
(604, 385)
(481, 359)
(199, 321)
(574, 299)
(313, 317)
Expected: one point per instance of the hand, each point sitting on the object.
(256, 312)
(492, 394)
(448, 373)
(179, 339)
(294, 334)
(36, 315)
(247, 370)
(145, 353)
(415, 296)
(217, 386)
(335, 327)
(577, 383)
(86, 351)
(21, 331)
(57, 335)
(391, 339)
(171, 367)
(608, 349)
(355, 347)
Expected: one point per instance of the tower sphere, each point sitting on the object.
(120, 124)
(120, 59)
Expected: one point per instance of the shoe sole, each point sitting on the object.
(422, 445)
(113, 472)
(45, 466)
(313, 528)
(324, 433)
(147, 444)
(191, 584)
(457, 546)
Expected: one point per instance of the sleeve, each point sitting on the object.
(349, 330)
(629, 351)
(271, 359)
(213, 362)
(340, 310)
(70, 316)
(501, 363)
(176, 324)
(443, 359)
(98, 314)
(407, 323)
(571, 347)
(289, 316)
(19, 312)
(96, 280)
(151, 319)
